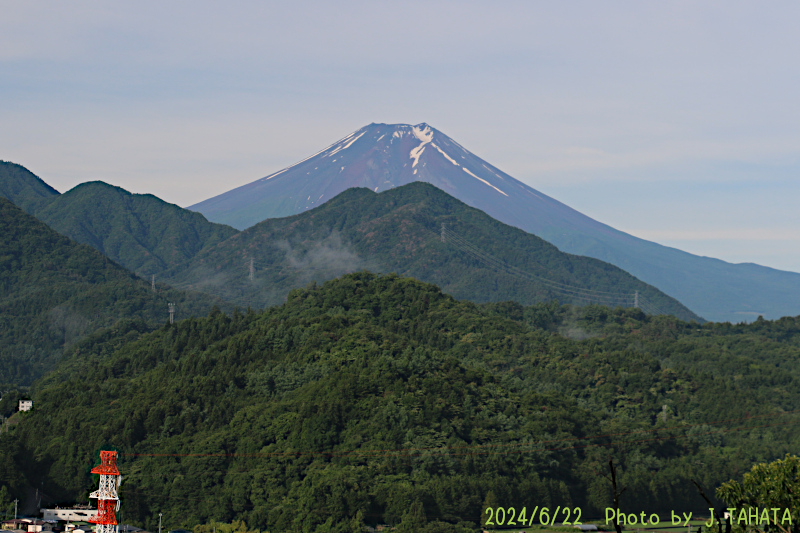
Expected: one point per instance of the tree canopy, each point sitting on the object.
(379, 399)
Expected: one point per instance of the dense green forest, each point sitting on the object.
(379, 399)
(139, 231)
(370, 398)
(774, 486)
(24, 188)
(475, 257)
(54, 291)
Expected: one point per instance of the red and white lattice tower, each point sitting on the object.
(106, 494)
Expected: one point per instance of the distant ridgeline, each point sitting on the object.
(54, 291)
(415, 230)
(24, 188)
(380, 400)
(139, 231)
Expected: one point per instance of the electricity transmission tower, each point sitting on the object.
(106, 493)
(171, 312)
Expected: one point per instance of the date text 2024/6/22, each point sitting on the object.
(509, 516)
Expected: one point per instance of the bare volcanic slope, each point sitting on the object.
(415, 230)
(382, 156)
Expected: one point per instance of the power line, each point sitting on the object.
(516, 271)
(651, 308)
(582, 293)
(449, 237)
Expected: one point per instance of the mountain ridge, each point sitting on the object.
(140, 231)
(380, 156)
(153, 237)
(55, 291)
(400, 230)
(24, 188)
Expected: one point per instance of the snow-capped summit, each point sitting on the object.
(378, 156)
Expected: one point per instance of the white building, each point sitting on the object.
(68, 515)
(25, 405)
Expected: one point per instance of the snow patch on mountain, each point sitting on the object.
(273, 175)
(445, 155)
(425, 135)
(348, 145)
(494, 172)
(312, 155)
(483, 180)
(415, 153)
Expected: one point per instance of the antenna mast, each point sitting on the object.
(106, 493)
(252, 270)
(171, 312)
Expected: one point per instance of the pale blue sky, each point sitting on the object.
(675, 121)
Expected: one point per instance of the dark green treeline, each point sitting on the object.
(378, 399)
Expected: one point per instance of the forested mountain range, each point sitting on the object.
(415, 230)
(399, 230)
(54, 291)
(379, 399)
(382, 156)
(24, 188)
(369, 399)
(139, 231)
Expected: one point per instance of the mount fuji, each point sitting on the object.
(384, 156)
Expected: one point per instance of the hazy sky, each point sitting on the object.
(678, 122)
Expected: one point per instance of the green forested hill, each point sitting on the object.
(139, 231)
(381, 400)
(400, 230)
(24, 188)
(54, 291)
